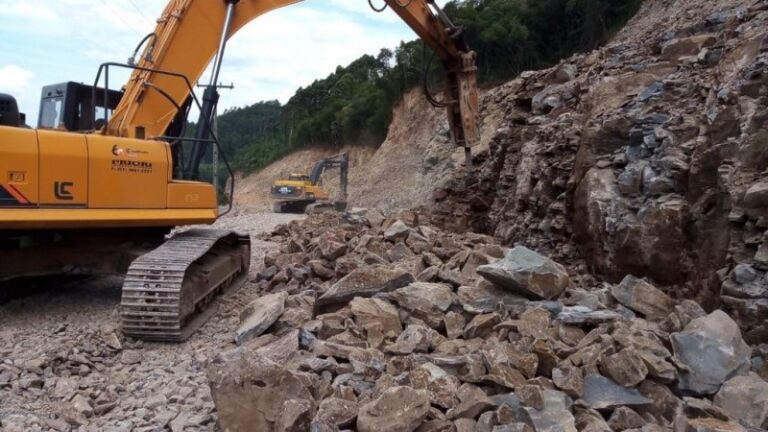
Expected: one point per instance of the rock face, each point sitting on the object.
(399, 409)
(527, 273)
(712, 351)
(606, 161)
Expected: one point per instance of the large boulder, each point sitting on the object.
(527, 273)
(259, 316)
(398, 409)
(250, 391)
(745, 398)
(711, 351)
(365, 282)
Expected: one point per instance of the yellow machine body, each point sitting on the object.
(56, 179)
(302, 190)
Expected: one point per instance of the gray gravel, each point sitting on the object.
(65, 366)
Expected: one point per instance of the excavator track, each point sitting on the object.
(167, 292)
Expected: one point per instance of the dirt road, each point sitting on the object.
(64, 365)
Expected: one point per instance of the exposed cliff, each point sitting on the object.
(644, 157)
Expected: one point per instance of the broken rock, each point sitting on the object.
(626, 367)
(642, 297)
(365, 282)
(602, 393)
(745, 398)
(369, 312)
(426, 301)
(474, 402)
(295, 416)
(336, 411)
(397, 231)
(555, 416)
(398, 409)
(485, 297)
(260, 315)
(244, 379)
(711, 350)
(527, 273)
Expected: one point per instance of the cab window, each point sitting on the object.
(51, 112)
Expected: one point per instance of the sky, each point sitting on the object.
(50, 41)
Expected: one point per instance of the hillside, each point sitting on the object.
(253, 191)
(415, 159)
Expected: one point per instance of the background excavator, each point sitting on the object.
(299, 191)
(98, 186)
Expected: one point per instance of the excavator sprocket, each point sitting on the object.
(167, 292)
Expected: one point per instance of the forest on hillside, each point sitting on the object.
(353, 105)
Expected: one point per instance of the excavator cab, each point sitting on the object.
(299, 178)
(70, 106)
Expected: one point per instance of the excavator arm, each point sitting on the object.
(340, 162)
(191, 33)
(448, 42)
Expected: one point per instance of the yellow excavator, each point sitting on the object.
(98, 186)
(300, 191)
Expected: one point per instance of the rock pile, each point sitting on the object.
(646, 157)
(394, 325)
(79, 385)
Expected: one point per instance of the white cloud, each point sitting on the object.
(13, 77)
(27, 10)
(17, 82)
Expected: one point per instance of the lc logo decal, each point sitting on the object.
(62, 192)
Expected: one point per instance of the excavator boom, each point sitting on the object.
(189, 35)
